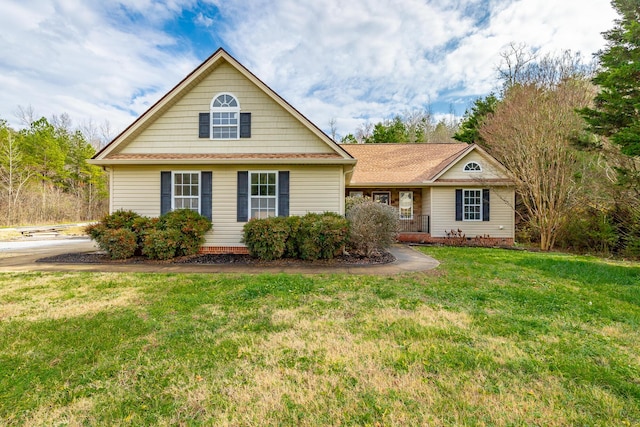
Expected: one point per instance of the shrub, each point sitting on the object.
(192, 227)
(161, 244)
(291, 244)
(120, 219)
(321, 235)
(266, 238)
(176, 233)
(119, 243)
(95, 231)
(373, 227)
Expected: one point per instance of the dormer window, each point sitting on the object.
(225, 117)
(472, 167)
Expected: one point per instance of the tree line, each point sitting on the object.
(45, 176)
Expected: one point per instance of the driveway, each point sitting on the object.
(21, 256)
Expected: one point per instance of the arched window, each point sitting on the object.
(225, 117)
(472, 167)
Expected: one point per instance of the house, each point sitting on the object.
(437, 188)
(223, 143)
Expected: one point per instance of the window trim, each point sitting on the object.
(481, 205)
(213, 110)
(276, 197)
(400, 207)
(467, 167)
(356, 193)
(376, 193)
(173, 188)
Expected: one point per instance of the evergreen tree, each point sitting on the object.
(469, 131)
(616, 113)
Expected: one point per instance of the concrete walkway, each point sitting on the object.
(21, 257)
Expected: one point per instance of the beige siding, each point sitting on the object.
(273, 129)
(311, 188)
(426, 201)
(457, 170)
(443, 210)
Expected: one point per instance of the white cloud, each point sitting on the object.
(352, 61)
(86, 60)
(375, 58)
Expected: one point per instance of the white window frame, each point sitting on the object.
(466, 213)
(469, 165)
(224, 110)
(258, 197)
(173, 189)
(405, 217)
(380, 193)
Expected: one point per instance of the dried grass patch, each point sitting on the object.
(51, 296)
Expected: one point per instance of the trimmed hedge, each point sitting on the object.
(161, 244)
(266, 238)
(119, 243)
(321, 236)
(177, 233)
(310, 237)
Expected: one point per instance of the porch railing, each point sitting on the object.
(419, 224)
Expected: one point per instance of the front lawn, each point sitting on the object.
(492, 337)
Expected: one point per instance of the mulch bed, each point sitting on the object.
(219, 259)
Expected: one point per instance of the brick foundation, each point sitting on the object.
(471, 241)
(217, 250)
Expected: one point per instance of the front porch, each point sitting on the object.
(415, 230)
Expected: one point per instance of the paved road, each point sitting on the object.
(20, 256)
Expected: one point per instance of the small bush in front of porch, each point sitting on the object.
(373, 226)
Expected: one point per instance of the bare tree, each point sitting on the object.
(521, 65)
(25, 115)
(530, 133)
(364, 132)
(515, 60)
(333, 128)
(13, 173)
(106, 133)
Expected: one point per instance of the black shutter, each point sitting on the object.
(245, 125)
(205, 194)
(283, 193)
(485, 204)
(204, 125)
(243, 196)
(458, 204)
(165, 192)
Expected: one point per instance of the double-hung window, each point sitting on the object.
(186, 191)
(225, 117)
(406, 205)
(263, 194)
(472, 205)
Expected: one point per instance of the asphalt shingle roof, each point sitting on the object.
(401, 163)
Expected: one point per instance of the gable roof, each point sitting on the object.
(108, 154)
(408, 164)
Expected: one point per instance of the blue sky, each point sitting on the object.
(107, 61)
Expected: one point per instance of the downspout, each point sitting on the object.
(344, 190)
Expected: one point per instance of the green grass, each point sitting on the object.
(491, 337)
